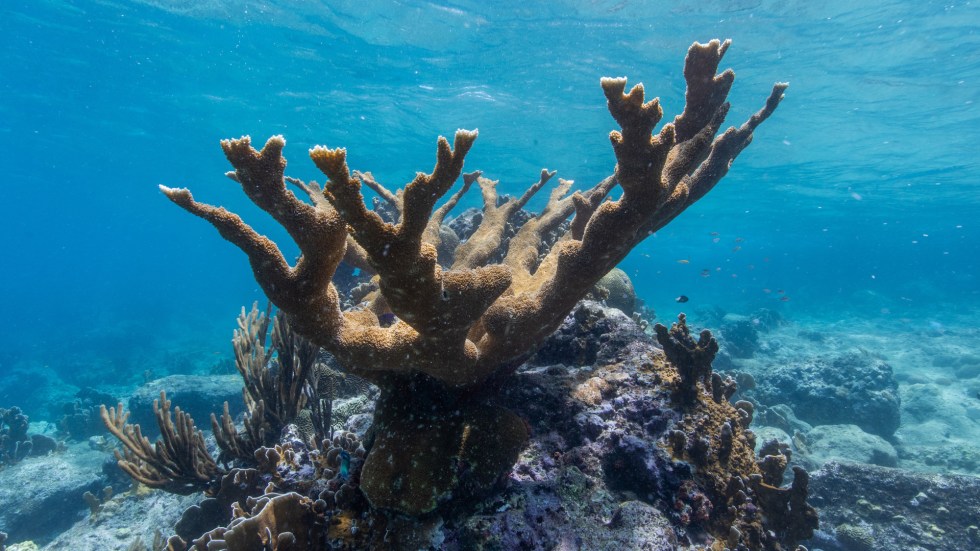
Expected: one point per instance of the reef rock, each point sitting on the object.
(592, 333)
(197, 395)
(849, 388)
(848, 443)
(41, 496)
(130, 521)
(871, 507)
(940, 427)
(740, 336)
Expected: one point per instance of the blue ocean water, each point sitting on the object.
(857, 202)
(859, 196)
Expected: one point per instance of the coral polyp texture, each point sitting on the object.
(440, 339)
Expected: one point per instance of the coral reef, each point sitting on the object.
(585, 337)
(715, 437)
(277, 384)
(616, 290)
(81, 417)
(453, 329)
(443, 344)
(740, 337)
(15, 444)
(602, 469)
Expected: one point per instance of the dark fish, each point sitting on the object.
(705, 272)
(387, 319)
(784, 298)
(682, 298)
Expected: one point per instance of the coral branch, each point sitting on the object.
(463, 324)
(692, 359)
(477, 250)
(179, 462)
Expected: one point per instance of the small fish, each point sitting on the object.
(716, 240)
(705, 272)
(387, 319)
(767, 291)
(739, 239)
(737, 248)
(715, 233)
(682, 298)
(780, 291)
(683, 261)
(784, 298)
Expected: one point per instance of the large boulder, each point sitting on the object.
(848, 388)
(41, 496)
(197, 395)
(848, 443)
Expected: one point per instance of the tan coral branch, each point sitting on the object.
(178, 462)
(487, 238)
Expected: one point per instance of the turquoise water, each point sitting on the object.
(858, 199)
(860, 195)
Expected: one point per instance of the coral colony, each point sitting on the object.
(442, 340)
